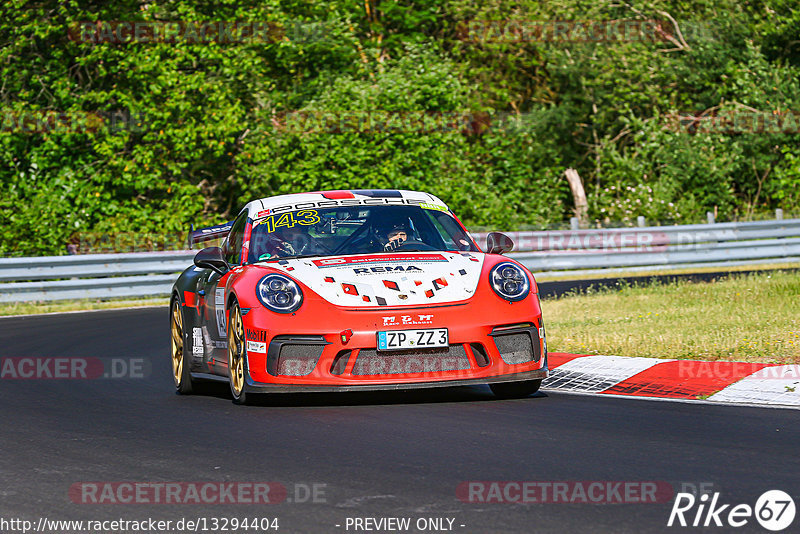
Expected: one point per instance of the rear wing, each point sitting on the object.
(207, 234)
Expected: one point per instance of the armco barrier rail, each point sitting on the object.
(90, 276)
(708, 245)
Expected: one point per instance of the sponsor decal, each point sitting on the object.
(262, 213)
(429, 206)
(256, 335)
(387, 269)
(219, 308)
(375, 258)
(256, 346)
(347, 202)
(197, 341)
(394, 320)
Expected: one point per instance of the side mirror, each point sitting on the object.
(211, 258)
(497, 243)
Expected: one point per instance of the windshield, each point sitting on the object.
(356, 230)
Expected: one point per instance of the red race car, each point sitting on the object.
(355, 290)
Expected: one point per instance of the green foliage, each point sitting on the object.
(155, 136)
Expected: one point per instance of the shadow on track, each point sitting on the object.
(221, 390)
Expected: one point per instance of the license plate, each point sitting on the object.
(412, 339)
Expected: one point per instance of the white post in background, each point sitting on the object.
(640, 221)
(710, 217)
(574, 223)
(578, 195)
(779, 214)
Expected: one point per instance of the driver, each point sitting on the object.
(396, 237)
(284, 242)
(392, 234)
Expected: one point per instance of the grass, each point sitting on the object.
(751, 318)
(546, 277)
(31, 308)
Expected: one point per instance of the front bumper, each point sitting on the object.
(256, 387)
(491, 340)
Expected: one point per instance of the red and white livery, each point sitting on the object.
(355, 290)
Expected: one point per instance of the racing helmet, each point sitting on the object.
(387, 227)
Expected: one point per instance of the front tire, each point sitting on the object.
(515, 390)
(237, 355)
(180, 363)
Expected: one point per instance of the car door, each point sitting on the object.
(214, 288)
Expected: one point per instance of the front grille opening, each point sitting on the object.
(516, 348)
(298, 360)
(294, 355)
(371, 362)
(340, 362)
(481, 356)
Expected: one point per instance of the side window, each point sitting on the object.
(233, 247)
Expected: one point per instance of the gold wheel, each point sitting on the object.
(177, 342)
(236, 351)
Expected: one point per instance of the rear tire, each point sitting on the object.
(237, 356)
(180, 363)
(515, 390)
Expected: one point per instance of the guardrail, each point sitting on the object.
(90, 276)
(657, 246)
(145, 274)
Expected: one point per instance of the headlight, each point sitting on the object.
(279, 293)
(509, 281)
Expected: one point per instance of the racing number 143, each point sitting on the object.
(289, 219)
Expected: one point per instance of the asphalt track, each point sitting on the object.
(396, 454)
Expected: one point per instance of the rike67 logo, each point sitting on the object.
(774, 510)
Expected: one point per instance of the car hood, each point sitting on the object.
(389, 279)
